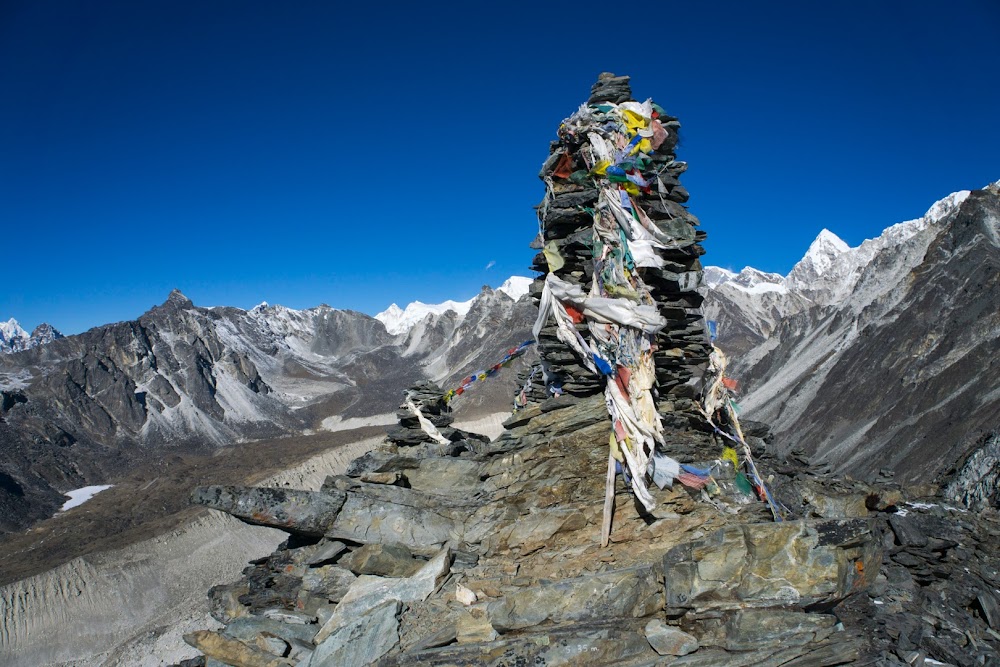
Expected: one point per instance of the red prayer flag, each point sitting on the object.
(574, 314)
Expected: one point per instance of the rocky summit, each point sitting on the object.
(625, 516)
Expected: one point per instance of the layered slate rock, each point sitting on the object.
(700, 582)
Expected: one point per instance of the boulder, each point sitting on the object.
(231, 651)
(668, 640)
(361, 640)
(368, 592)
(291, 510)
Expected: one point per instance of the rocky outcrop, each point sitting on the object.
(976, 481)
(494, 556)
(502, 561)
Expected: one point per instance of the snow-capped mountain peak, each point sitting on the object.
(13, 338)
(10, 330)
(752, 280)
(399, 321)
(391, 314)
(822, 253)
(515, 287)
(713, 276)
(748, 280)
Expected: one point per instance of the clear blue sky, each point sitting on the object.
(362, 153)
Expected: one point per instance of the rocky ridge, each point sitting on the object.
(493, 557)
(911, 310)
(438, 550)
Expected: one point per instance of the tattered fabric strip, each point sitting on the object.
(425, 425)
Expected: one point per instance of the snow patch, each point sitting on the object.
(78, 497)
(14, 381)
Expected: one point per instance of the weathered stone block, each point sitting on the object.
(630, 593)
(794, 564)
(384, 560)
(294, 511)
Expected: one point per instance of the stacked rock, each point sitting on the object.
(425, 401)
(618, 304)
(429, 399)
(616, 148)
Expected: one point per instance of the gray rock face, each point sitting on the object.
(633, 593)
(793, 564)
(913, 310)
(976, 484)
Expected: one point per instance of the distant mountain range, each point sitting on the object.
(880, 356)
(397, 320)
(80, 409)
(15, 339)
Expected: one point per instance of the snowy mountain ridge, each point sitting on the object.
(830, 269)
(13, 338)
(399, 321)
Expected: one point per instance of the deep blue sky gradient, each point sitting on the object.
(310, 152)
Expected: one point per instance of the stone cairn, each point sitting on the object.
(453, 550)
(618, 302)
(566, 218)
(427, 399)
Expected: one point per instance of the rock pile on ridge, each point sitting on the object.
(490, 553)
(425, 419)
(493, 558)
(567, 241)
